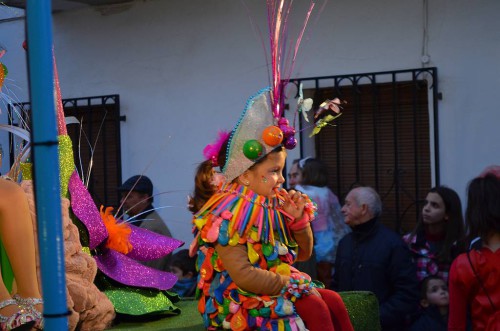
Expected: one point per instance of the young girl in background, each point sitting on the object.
(475, 275)
(249, 231)
(439, 235)
(328, 227)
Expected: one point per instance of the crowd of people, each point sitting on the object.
(410, 276)
(443, 275)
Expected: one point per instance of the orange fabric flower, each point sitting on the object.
(118, 232)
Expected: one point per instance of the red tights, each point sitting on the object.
(327, 313)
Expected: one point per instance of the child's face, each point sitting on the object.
(437, 293)
(434, 210)
(177, 271)
(267, 175)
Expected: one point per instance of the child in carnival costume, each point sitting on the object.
(249, 231)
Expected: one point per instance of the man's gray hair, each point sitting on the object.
(368, 196)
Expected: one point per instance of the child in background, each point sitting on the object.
(439, 235)
(184, 267)
(329, 226)
(475, 275)
(434, 303)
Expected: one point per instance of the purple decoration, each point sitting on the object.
(283, 121)
(283, 128)
(148, 245)
(129, 272)
(290, 142)
(288, 131)
(85, 209)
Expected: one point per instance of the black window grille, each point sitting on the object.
(96, 142)
(386, 137)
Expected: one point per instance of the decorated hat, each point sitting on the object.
(262, 126)
(256, 134)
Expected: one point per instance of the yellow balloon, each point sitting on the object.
(253, 257)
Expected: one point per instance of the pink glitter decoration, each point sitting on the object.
(85, 209)
(61, 123)
(148, 245)
(122, 268)
(129, 272)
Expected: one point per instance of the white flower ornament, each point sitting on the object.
(303, 106)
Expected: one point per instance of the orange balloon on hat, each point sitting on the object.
(272, 135)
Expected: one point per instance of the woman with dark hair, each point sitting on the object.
(475, 275)
(439, 235)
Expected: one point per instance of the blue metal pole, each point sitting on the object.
(46, 163)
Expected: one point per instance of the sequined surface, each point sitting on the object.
(123, 269)
(84, 208)
(66, 162)
(61, 124)
(26, 171)
(256, 117)
(129, 272)
(148, 245)
(363, 309)
(137, 301)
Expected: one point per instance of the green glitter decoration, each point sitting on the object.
(26, 171)
(138, 301)
(66, 162)
(363, 310)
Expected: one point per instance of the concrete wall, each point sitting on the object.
(184, 69)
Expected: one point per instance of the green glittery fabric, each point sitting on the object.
(26, 171)
(363, 310)
(66, 162)
(138, 301)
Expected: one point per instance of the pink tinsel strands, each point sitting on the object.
(278, 12)
(61, 123)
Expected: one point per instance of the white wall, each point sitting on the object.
(184, 69)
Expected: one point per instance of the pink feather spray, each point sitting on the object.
(211, 151)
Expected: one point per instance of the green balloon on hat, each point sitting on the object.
(252, 149)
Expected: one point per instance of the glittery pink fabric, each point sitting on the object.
(129, 272)
(148, 245)
(61, 123)
(84, 208)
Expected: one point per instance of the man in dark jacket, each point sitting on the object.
(374, 258)
(137, 198)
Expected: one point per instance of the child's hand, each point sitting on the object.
(294, 203)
